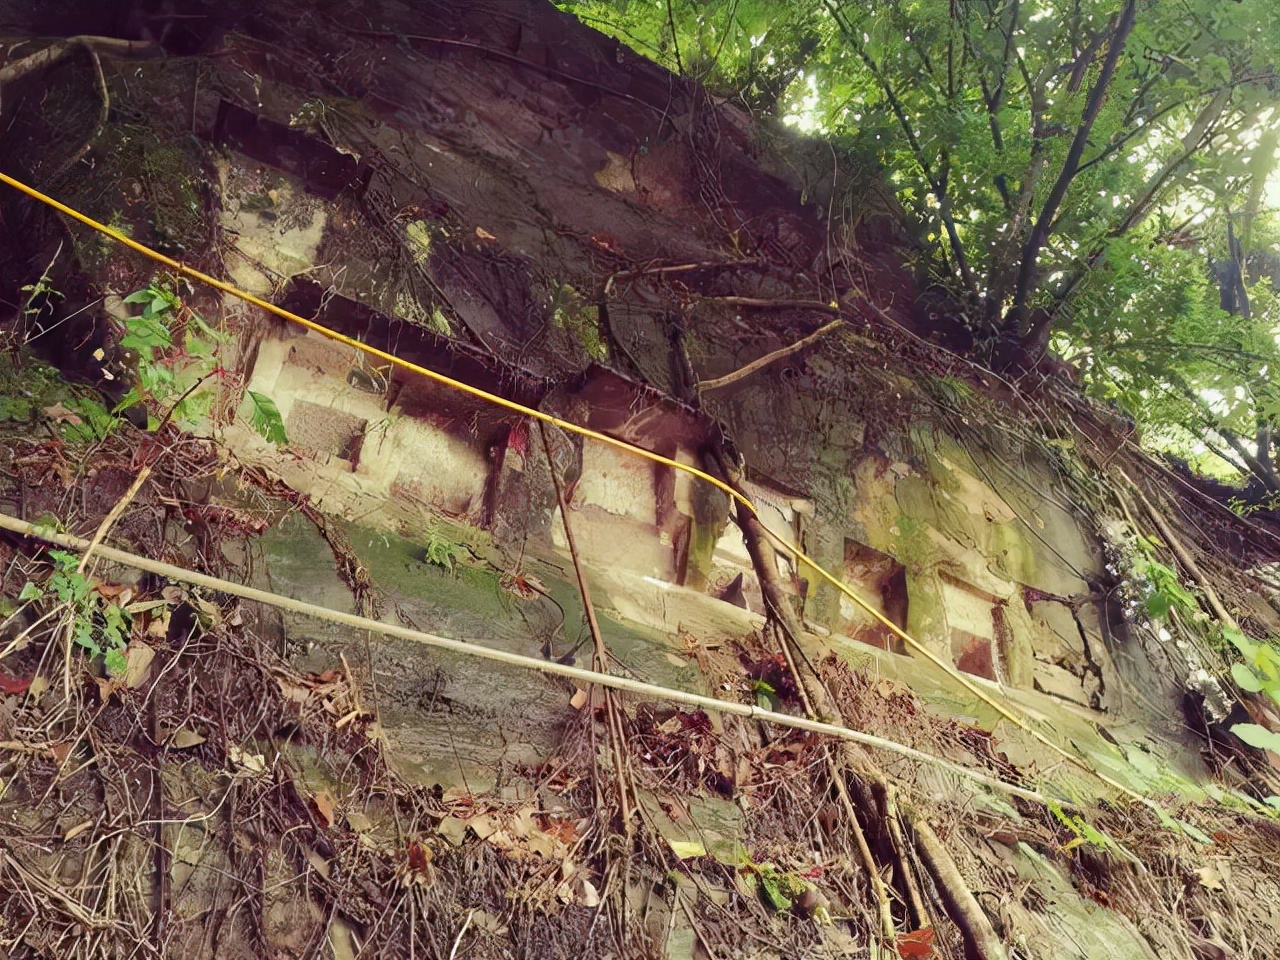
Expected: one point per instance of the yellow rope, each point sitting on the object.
(569, 427)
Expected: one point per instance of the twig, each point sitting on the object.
(782, 614)
(17, 641)
(112, 516)
(458, 942)
(767, 304)
(768, 358)
(599, 661)
(107, 523)
(889, 799)
(76, 909)
(673, 268)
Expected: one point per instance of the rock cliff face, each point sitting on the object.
(494, 193)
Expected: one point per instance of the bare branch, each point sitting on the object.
(108, 46)
(937, 183)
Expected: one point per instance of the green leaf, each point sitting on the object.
(146, 334)
(771, 888)
(266, 418)
(686, 849)
(1158, 605)
(31, 591)
(199, 347)
(1245, 678)
(130, 399)
(1195, 833)
(117, 625)
(117, 662)
(64, 559)
(1258, 736)
(1239, 641)
(1272, 689)
(83, 636)
(139, 296)
(1266, 661)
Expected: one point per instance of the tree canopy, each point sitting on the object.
(1099, 175)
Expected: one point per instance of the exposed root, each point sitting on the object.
(980, 938)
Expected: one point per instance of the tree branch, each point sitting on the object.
(937, 184)
(1202, 132)
(1016, 317)
(768, 358)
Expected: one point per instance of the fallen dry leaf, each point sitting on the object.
(524, 824)
(579, 699)
(453, 829)
(324, 807)
(563, 830)
(483, 920)
(320, 864)
(75, 831)
(293, 692)
(1211, 877)
(484, 234)
(61, 751)
(185, 737)
(544, 845)
(138, 664)
(253, 762)
(419, 856)
(685, 849)
(158, 628)
(10, 684)
(36, 690)
(112, 591)
(917, 943)
(60, 412)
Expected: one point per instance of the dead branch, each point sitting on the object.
(768, 358)
(890, 813)
(816, 305)
(817, 698)
(107, 46)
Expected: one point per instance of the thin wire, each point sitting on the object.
(915, 645)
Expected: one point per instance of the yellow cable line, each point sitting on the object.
(569, 427)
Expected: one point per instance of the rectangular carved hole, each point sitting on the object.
(317, 429)
(973, 654)
(882, 582)
(980, 632)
